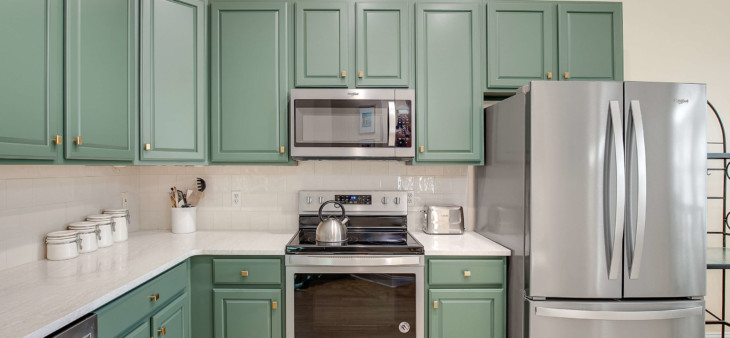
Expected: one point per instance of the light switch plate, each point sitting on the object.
(236, 199)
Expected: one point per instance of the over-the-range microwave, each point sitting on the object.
(352, 124)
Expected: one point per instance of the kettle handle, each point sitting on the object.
(338, 204)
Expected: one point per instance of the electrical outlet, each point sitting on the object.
(236, 199)
(411, 199)
(125, 200)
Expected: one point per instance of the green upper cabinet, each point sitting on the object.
(254, 313)
(101, 79)
(249, 81)
(383, 31)
(31, 84)
(173, 86)
(477, 313)
(590, 41)
(321, 44)
(173, 321)
(520, 43)
(448, 87)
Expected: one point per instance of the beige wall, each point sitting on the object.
(685, 41)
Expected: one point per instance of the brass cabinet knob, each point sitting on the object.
(244, 273)
(274, 305)
(58, 140)
(467, 273)
(162, 331)
(343, 73)
(77, 140)
(282, 149)
(435, 304)
(567, 75)
(147, 147)
(550, 75)
(360, 74)
(155, 297)
(420, 149)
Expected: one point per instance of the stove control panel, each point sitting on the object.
(370, 202)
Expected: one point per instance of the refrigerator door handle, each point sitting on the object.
(615, 253)
(619, 315)
(637, 124)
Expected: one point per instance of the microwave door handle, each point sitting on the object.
(391, 123)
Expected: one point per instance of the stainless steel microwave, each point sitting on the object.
(352, 124)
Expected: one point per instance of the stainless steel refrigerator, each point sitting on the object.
(598, 188)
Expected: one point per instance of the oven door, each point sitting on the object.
(354, 300)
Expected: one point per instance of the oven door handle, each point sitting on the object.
(391, 123)
(326, 260)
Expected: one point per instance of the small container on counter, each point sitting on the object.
(120, 217)
(106, 229)
(88, 234)
(62, 245)
(184, 220)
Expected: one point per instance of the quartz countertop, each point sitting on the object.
(41, 297)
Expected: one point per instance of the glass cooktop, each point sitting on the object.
(358, 242)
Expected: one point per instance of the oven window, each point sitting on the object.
(354, 305)
(349, 123)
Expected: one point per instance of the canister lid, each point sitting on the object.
(99, 217)
(116, 211)
(82, 226)
(63, 234)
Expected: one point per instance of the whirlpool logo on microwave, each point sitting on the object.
(681, 101)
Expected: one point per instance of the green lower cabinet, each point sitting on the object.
(173, 321)
(448, 86)
(249, 82)
(173, 85)
(31, 84)
(466, 313)
(247, 313)
(142, 331)
(590, 41)
(101, 79)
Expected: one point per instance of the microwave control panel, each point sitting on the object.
(403, 129)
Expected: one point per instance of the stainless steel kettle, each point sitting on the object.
(332, 231)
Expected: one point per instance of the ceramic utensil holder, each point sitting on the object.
(184, 220)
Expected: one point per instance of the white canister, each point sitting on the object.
(61, 245)
(120, 217)
(106, 229)
(88, 234)
(184, 220)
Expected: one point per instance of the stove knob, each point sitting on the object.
(396, 200)
(321, 199)
(384, 200)
(308, 199)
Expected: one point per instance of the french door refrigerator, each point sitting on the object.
(598, 188)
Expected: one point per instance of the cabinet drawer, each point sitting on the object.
(466, 272)
(117, 316)
(246, 271)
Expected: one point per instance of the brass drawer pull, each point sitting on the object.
(274, 305)
(435, 304)
(282, 149)
(244, 273)
(360, 74)
(421, 149)
(343, 73)
(467, 273)
(567, 75)
(155, 297)
(77, 140)
(58, 140)
(162, 331)
(550, 75)
(147, 147)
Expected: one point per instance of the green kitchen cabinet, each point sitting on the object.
(31, 85)
(449, 87)
(322, 30)
(173, 83)
(142, 331)
(521, 43)
(100, 79)
(249, 81)
(467, 313)
(383, 41)
(173, 321)
(247, 313)
(590, 41)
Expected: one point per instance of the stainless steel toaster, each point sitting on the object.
(443, 220)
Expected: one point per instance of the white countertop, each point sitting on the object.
(39, 298)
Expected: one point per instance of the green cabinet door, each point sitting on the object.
(448, 83)
(247, 313)
(249, 82)
(173, 321)
(31, 78)
(590, 41)
(173, 85)
(520, 44)
(383, 41)
(101, 79)
(467, 313)
(321, 51)
(141, 331)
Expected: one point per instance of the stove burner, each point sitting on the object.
(366, 242)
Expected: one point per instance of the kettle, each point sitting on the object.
(332, 231)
